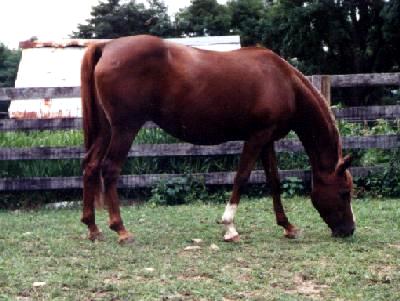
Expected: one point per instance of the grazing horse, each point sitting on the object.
(206, 97)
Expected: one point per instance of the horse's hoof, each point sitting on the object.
(292, 233)
(126, 239)
(97, 235)
(234, 238)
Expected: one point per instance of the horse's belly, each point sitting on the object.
(205, 131)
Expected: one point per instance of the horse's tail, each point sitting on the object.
(90, 105)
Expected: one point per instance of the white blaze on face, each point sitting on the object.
(227, 220)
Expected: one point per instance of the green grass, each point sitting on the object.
(49, 246)
(54, 168)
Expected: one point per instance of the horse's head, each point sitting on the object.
(331, 196)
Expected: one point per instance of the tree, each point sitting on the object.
(335, 37)
(344, 36)
(203, 17)
(111, 19)
(160, 20)
(245, 19)
(9, 60)
(391, 36)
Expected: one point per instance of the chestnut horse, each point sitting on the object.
(206, 97)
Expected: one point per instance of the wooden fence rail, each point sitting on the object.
(186, 149)
(352, 114)
(347, 80)
(149, 180)
(323, 83)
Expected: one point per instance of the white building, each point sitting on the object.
(57, 64)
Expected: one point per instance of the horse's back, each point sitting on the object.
(197, 95)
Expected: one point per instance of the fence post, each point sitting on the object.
(326, 87)
(323, 84)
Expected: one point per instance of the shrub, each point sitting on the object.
(178, 191)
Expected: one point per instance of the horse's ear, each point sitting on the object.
(341, 168)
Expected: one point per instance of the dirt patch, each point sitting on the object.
(307, 287)
(21, 298)
(395, 246)
(193, 277)
(113, 279)
(382, 273)
(256, 295)
(239, 274)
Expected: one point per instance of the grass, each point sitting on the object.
(49, 246)
(54, 168)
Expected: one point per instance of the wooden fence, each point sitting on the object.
(323, 83)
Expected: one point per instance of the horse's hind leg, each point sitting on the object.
(268, 158)
(121, 140)
(92, 184)
(250, 153)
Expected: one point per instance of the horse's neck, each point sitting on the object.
(317, 131)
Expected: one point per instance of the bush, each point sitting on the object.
(292, 186)
(178, 191)
(385, 183)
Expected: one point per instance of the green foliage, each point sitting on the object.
(382, 184)
(112, 19)
(292, 186)
(41, 138)
(203, 17)
(246, 18)
(324, 34)
(9, 60)
(178, 191)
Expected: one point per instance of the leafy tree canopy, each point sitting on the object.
(319, 36)
(246, 16)
(343, 36)
(111, 19)
(9, 60)
(204, 17)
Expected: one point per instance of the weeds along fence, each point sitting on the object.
(324, 83)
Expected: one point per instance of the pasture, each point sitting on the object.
(44, 255)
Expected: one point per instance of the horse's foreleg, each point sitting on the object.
(250, 153)
(121, 140)
(269, 162)
(92, 185)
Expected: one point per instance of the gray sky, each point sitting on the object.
(51, 19)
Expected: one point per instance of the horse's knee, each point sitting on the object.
(110, 173)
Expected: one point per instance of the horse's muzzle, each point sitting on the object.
(343, 231)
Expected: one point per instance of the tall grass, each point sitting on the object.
(74, 138)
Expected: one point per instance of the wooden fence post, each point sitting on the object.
(326, 87)
(323, 84)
